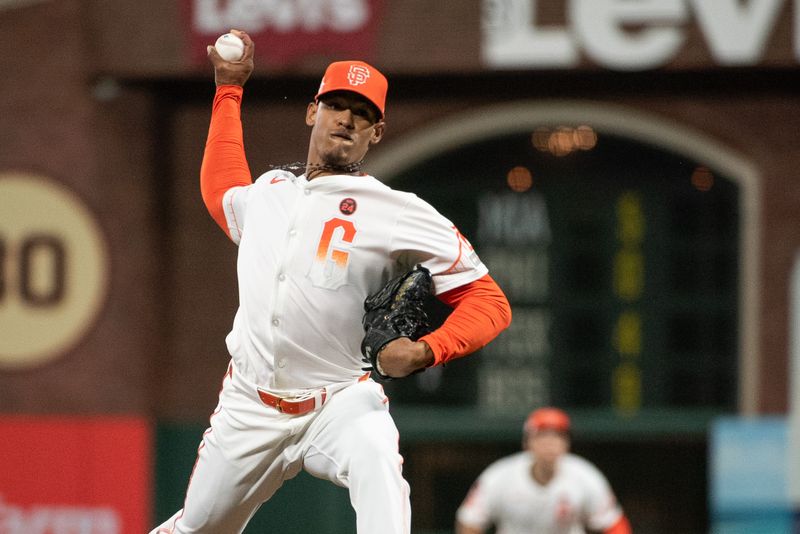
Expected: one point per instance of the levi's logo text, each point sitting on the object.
(348, 206)
(357, 75)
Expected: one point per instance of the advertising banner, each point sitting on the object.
(287, 31)
(748, 490)
(632, 36)
(75, 475)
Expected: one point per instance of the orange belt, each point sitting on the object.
(293, 407)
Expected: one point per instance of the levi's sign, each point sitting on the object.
(281, 16)
(286, 31)
(631, 34)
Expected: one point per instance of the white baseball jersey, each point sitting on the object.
(309, 247)
(507, 496)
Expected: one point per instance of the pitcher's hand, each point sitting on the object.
(233, 72)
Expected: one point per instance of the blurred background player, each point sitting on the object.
(544, 489)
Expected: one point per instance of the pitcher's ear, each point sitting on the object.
(377, 132)
(311, 113)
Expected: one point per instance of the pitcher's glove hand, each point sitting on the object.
(394, 311)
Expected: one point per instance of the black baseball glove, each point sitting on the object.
(395, 310)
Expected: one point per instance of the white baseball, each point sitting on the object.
(229, 47)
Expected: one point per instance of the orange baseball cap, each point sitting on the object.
(358, 77)
(547, 419)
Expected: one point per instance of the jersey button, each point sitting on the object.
(281, 277)
(307, 191)
(281, 363)
(292, 233)
(276, 322)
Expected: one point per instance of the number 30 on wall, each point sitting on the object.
(53, 270)
(40, 269)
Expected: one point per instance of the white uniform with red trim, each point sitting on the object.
(306, 264)
(309, 254)
(506, 495)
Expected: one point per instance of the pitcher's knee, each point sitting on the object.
(367, 446)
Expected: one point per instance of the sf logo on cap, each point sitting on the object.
(357, 74)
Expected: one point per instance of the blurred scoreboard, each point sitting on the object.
(620, 260)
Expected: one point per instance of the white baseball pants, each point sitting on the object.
(251, 449)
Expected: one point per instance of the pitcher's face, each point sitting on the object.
(344, 126)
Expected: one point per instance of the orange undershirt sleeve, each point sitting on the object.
(622, 526)
(224, 161)
(481, 311)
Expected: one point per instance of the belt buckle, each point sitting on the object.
(273, 401)
(291, 403)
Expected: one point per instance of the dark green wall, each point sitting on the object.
(654, 458)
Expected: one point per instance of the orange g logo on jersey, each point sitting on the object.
(329, 268)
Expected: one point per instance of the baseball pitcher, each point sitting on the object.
(319, 244)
